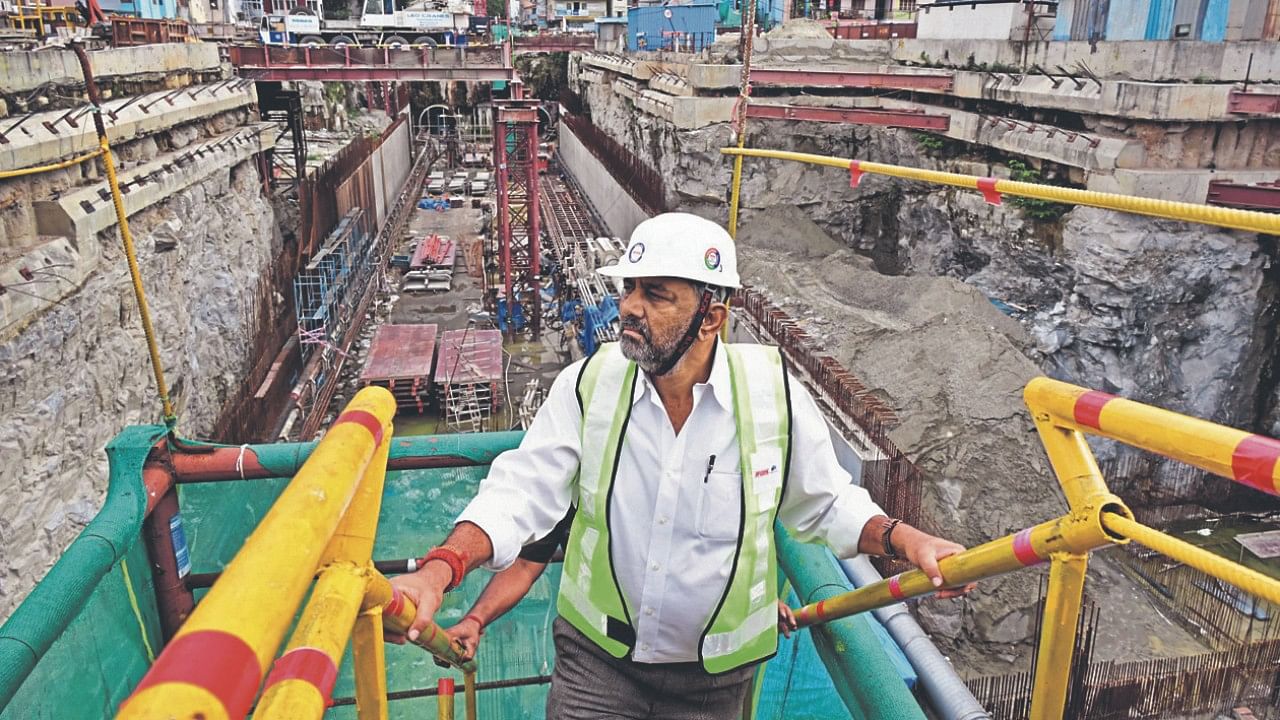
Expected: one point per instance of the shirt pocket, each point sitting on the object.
(720, 506)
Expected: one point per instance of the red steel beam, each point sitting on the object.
(837, 78)
(375, 74)
(856, 116)
(1255, 103)
(1262, 196)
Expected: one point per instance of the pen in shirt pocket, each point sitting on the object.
(711, 463)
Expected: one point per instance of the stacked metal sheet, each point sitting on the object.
(467, 377)
(431, 267)
(400, 359)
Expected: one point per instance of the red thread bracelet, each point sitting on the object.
(454, 559)
(479, 622)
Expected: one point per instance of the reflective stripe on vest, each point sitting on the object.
(743, 626)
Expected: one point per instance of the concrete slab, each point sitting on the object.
(84, 213)
(1178, 185)
(26, 71)
(35, 144)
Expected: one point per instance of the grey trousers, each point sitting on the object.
(590, 684)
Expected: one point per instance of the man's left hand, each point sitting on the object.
(924, 551)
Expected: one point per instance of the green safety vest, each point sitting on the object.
(743, 628)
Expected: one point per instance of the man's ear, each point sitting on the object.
(717, 315)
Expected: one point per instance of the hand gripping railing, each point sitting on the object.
(1063, 414)
(324, 521)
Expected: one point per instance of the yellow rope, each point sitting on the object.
(6, 174)
(1250, 581)
(137, 611)
(1249, 220)
(126, 238)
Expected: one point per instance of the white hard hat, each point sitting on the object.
(679, 245)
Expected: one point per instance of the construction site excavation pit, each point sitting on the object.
(1023, 257)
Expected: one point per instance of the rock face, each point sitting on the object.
(953, 367)
(81, 372)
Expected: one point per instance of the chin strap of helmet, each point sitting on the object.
(690, 334)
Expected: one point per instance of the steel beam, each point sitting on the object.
(376, 74)
(856, 116)
(1253, 103)
(836, 78)
(1261, 196)
(371, 64)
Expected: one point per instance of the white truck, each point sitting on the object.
(426, 22)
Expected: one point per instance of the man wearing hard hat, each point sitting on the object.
(677, 451)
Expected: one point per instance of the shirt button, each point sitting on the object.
(662, 520)
(645, 647)
(655, 567)
(648, 611)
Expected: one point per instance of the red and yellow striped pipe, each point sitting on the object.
(444, 699)
(300, 684)
(215, 662)
(1246, 458)
(1077, 533)
(397, 615)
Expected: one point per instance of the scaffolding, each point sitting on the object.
(516, 161)
(327, 291)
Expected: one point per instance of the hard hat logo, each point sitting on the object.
(712, 259)
(636, 252)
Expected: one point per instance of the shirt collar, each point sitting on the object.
(719, 380)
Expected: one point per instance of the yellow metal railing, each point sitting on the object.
(323, 523)
(1063, 414)
(993, 188)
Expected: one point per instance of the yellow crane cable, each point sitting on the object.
(126, 238)
(1250, 581)
(6, 174)
(1249, 220)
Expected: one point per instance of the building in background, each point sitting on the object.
(1016, 20)
(1206, 20)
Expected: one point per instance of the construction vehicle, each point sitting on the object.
(424, 23)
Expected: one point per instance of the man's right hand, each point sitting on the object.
(467, 634)
(426, 589)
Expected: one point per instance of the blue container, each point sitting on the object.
(690, 27)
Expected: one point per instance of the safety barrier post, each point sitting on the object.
(217, 659)
(444, 701)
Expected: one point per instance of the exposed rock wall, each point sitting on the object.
(80, 371)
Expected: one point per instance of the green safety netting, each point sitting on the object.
(106, 649)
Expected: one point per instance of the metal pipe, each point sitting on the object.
(160, 530)
(231, 637)
(444, 699)
(469, 690)
(1248, 220)
(1253, 460)
(398, 614)
(432, 692)
(948, 696)
(865, 678)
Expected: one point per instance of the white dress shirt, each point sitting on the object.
(674, 525)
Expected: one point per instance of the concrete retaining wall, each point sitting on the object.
(620, 212)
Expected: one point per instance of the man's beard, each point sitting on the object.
(651, 353)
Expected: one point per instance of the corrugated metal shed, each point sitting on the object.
(691, 26)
